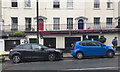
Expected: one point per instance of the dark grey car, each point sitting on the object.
(34, 51)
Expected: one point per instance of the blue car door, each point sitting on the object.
(94, 49)
(100, 49)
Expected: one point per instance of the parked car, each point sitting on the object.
(2, 57)
(91, 48)
(34, 51)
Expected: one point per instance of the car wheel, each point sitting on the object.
(51, 57)
(110, 54)
(16, 59)
(79, 55)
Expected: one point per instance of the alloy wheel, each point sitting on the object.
(79, 55)
(16, 59)
(51, 57)
(110, 54)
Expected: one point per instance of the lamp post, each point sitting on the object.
(37, 10)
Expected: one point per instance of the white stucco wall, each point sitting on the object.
(2, 46)
(80, 8)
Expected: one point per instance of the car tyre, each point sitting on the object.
(16, 59)
(79, 55)
(110, 54)
(51, 57)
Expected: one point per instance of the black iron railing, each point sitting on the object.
(58, 27)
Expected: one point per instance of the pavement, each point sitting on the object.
(68, 55)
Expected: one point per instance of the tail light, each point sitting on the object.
(11, 50)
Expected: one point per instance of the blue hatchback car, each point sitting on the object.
(91, 48)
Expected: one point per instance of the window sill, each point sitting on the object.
(109, 9)
(14, 7)
(70, 8)
(28, 8)
(96, 9)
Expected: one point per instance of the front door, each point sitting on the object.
(41, 24)
(80, 24)
(26, 52)
(94, 48)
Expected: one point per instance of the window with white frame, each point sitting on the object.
(27, 3)
(96, 3)
(96, 22)
(56, 4)
(28, 23)
(14, 3)
(14, 21)
(109, 4)
(69, 3)
(109, 22)
(69, 23)
(56, 24)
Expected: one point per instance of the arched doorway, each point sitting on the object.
(41, 24)
(80, 24)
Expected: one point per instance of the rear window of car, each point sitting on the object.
(83, 44)
(93, 44)
(19, 46)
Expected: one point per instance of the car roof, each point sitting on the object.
(30, 44)
(88, 41)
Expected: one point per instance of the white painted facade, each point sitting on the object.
(81, 8)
